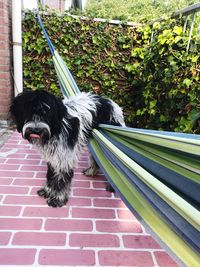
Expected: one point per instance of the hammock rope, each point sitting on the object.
(156, 173)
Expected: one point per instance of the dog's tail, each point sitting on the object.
(118, 117)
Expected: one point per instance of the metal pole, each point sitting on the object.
(185, 24)
(17, 46)
(190, 34)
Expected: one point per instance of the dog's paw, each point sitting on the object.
(43, 193)
(56, 202)
(90, 171)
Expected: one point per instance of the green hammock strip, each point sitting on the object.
(63, 76)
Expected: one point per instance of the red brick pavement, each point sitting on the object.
(94, 229)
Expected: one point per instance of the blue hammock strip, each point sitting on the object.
(156, 173)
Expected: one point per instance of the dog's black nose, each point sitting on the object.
(34, 133)
(37, 130)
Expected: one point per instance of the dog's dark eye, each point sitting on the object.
(43, 111)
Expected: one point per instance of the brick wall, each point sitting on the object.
(6, 88)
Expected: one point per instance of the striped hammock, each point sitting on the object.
(156, 173)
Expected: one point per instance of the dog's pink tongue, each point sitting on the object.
(34, 136)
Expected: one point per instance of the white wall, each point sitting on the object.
(68, 4)
(30, 4)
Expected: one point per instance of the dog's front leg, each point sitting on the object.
(59, 185)
(46, 190)
(57, 188)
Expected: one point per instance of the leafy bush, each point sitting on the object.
(170, 77)
(156, 83)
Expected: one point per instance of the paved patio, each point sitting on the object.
(94, 229)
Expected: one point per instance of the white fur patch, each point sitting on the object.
(35, 124)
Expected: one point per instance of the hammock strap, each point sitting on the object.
(67, 83)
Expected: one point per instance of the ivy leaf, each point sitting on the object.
(153, 103)
(163, 118)
(195, 58)
(177, 39)
(187, 82)
(194, 115)
(178, 30)
(129, 67)
(94, 40)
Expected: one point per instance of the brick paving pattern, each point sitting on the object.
(94, 229)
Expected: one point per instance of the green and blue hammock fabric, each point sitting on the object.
(156, 173)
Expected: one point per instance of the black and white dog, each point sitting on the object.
(60, 129)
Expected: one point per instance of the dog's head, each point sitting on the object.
(38, 115)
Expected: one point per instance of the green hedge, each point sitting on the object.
(157, 83)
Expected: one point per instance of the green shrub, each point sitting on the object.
(156, 83)
(170, 76)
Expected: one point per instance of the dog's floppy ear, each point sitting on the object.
(72, 125)
(72, 130)
(56, 113)
(59, 107)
